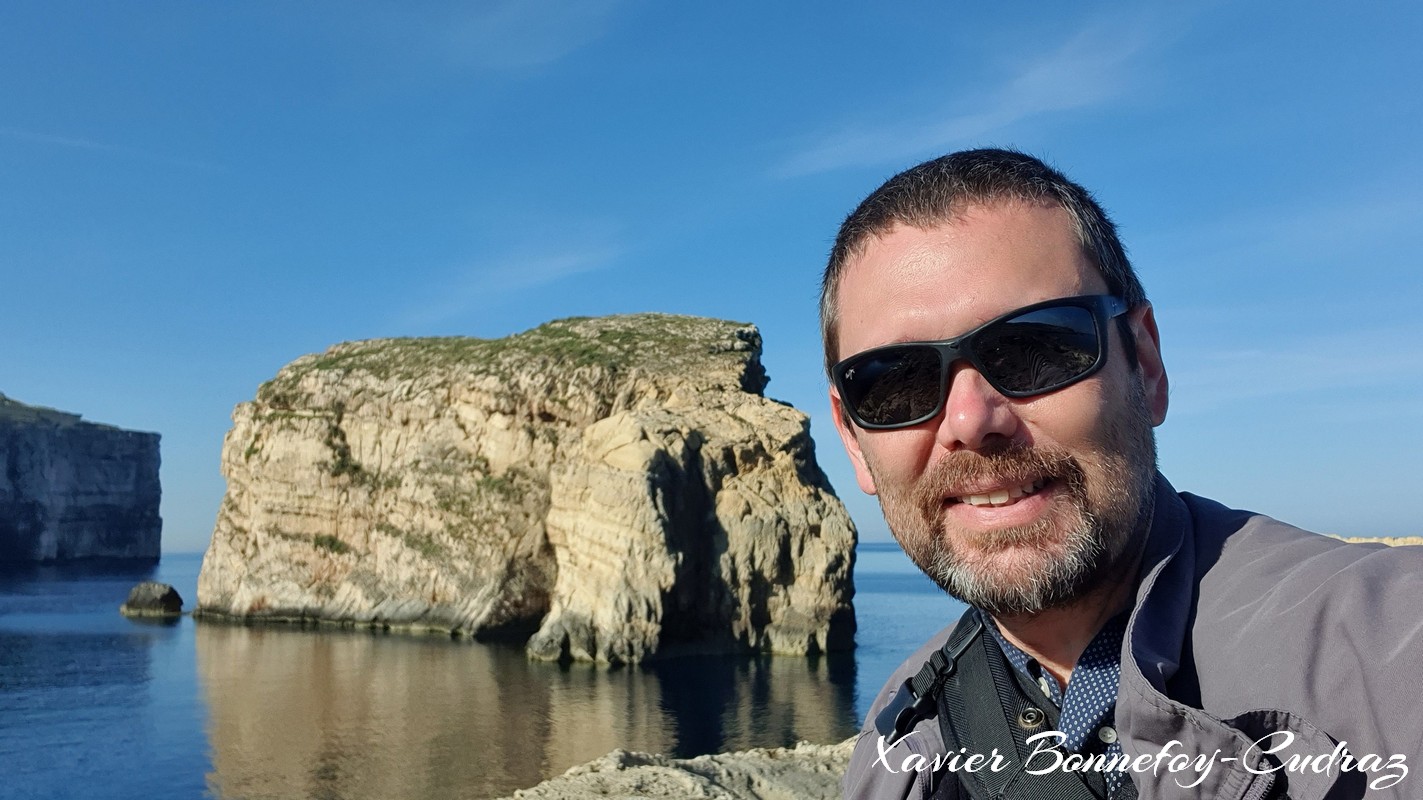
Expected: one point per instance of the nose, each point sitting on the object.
(975, 414)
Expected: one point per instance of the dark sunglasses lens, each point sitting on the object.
(1040, 350)
(893, 386)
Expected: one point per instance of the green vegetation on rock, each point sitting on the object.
(17, 412)
(653, 343)
(328, 542)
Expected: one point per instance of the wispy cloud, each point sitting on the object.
(518, 34)
(1348, 220)
(1205, 380)
(1089, 69)
(493, 279)
(79, 143)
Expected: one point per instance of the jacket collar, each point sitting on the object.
(1149, 721)
(1185, 541)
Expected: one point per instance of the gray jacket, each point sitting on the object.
(1248, 637)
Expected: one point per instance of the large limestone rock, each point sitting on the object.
(613, 486)
(72, 489)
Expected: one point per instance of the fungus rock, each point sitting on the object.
(615, 487)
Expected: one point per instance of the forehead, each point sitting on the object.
(914, 284)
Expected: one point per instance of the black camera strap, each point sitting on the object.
(983, 705)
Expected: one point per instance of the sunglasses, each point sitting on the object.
(1034, 350)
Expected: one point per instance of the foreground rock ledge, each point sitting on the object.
(805, 772)
(614, 487)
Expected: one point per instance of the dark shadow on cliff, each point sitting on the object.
(138, 569)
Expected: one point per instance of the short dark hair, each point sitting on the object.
(938, 191)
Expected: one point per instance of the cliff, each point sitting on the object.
(612, 486)
(73, 489)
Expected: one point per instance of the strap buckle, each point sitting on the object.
(901, 714)
(918, 697)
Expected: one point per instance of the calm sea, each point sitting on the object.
(93, 705)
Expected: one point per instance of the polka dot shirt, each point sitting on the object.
(1087, 708)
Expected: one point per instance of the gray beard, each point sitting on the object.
(1102, 522)
(1093, 556)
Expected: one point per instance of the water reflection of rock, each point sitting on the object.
(729, 703)
(355, 715)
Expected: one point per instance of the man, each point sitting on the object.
(996, 374)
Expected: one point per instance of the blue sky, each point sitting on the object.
(194, 194)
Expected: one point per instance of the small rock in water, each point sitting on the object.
(153, 599)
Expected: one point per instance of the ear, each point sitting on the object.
(849, 436)
(1148, 357)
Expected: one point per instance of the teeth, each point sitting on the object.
(1003, 497)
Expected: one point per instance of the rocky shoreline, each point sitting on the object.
(804, 772)
(1396, 541)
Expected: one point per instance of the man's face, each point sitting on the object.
(1076, 464)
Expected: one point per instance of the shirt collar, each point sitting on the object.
(1091, 695)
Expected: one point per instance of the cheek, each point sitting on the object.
(898, 458)
(1073, 419)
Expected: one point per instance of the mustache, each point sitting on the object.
(1013, 463)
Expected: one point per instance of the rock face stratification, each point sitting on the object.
(71, 489)
(614, 487)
